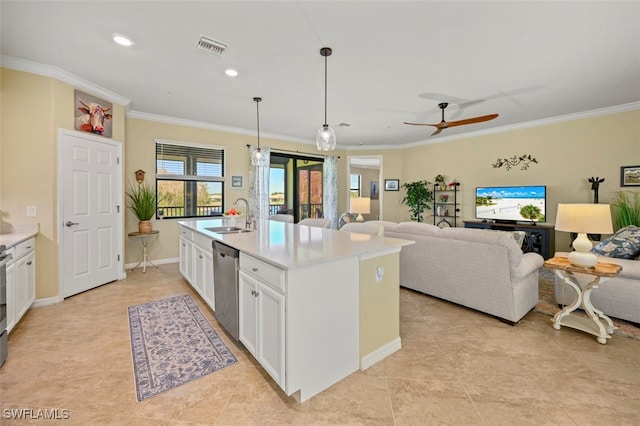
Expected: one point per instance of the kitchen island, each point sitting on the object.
(315, 304)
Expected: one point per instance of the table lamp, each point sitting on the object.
(584, 219)
(360, 205)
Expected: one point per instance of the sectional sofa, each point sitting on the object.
(483, 270)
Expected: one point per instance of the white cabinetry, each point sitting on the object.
(196, 263)
(186, 254)
(21, 281)
(203, 268)
(262, 314)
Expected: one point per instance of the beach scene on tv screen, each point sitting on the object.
(513, 203)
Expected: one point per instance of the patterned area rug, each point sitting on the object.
(547, 305)
(172, 344)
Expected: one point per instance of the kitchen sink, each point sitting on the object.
(228, 230)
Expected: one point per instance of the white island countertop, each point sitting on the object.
(291, 246)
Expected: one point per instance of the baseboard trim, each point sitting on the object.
(155, 262)
(381, 353)
(46, 301)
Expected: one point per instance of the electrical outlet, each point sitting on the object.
(31, 211)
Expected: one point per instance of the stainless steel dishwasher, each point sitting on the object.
(225, 282)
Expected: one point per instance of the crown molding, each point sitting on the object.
(87, 86)
(534, 123)
(210, 126)
(510, 128)
(64, 76)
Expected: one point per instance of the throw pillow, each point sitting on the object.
(624, 244)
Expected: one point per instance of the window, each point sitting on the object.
(354, 188)
(189, 180)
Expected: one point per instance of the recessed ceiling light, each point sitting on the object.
(122, 40)
(231, 72)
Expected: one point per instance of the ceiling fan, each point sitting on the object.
(446, 124)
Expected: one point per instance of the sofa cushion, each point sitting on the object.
(388, 226)
(504, 239)
(624, 244)
(415, 228)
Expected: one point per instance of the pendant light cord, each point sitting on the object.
(258, 100)
(325, 91)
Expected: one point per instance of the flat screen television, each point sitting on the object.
(511, 204)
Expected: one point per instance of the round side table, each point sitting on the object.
(145, 239)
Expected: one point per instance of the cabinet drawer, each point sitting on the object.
(24, 248)
(263, 271)
(203, 242)
(186, 233)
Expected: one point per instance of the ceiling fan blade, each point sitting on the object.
(472, 120)
(421, 124)
(437, 131)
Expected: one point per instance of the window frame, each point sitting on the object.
(359, 188)
(190, 180)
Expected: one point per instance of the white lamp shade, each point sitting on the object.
(361, 205)
(584, 218)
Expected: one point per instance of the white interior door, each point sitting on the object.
(90, 177)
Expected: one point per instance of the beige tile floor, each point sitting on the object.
(456, 367)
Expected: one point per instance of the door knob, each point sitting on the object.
(69, 224)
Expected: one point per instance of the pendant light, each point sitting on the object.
(326, 137)
(256, 155)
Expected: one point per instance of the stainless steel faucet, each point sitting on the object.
(247, 216)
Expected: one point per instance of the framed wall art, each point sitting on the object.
(374, 192)
(630, 176)
(237, 182)
(392, 185)
(92, 114)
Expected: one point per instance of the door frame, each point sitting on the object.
(119, 196)
(367, 159)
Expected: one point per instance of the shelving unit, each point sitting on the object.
(446, 212)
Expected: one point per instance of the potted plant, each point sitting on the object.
(418, 198)
(626, 209)
(142, 202)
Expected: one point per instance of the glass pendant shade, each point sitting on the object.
(256, 157)
(326, 138)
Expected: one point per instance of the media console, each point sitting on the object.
(539, 238)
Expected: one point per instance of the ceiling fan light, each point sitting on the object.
(326, 138)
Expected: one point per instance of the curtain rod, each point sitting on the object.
(296, 152)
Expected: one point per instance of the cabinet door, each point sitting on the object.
(30, 279)
(20, 288)
(11, 298)
(198, 270)
(247, 311)
(186, 261)
(271, 311)
(207, 287)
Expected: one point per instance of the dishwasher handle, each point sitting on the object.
(224, 250)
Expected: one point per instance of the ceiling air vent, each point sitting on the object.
(210, 45)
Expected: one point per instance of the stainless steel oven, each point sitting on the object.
(4, 258)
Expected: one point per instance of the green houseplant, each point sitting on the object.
(142, 202)
(419, 197)
(626, 209)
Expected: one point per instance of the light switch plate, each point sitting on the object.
(31, 211)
